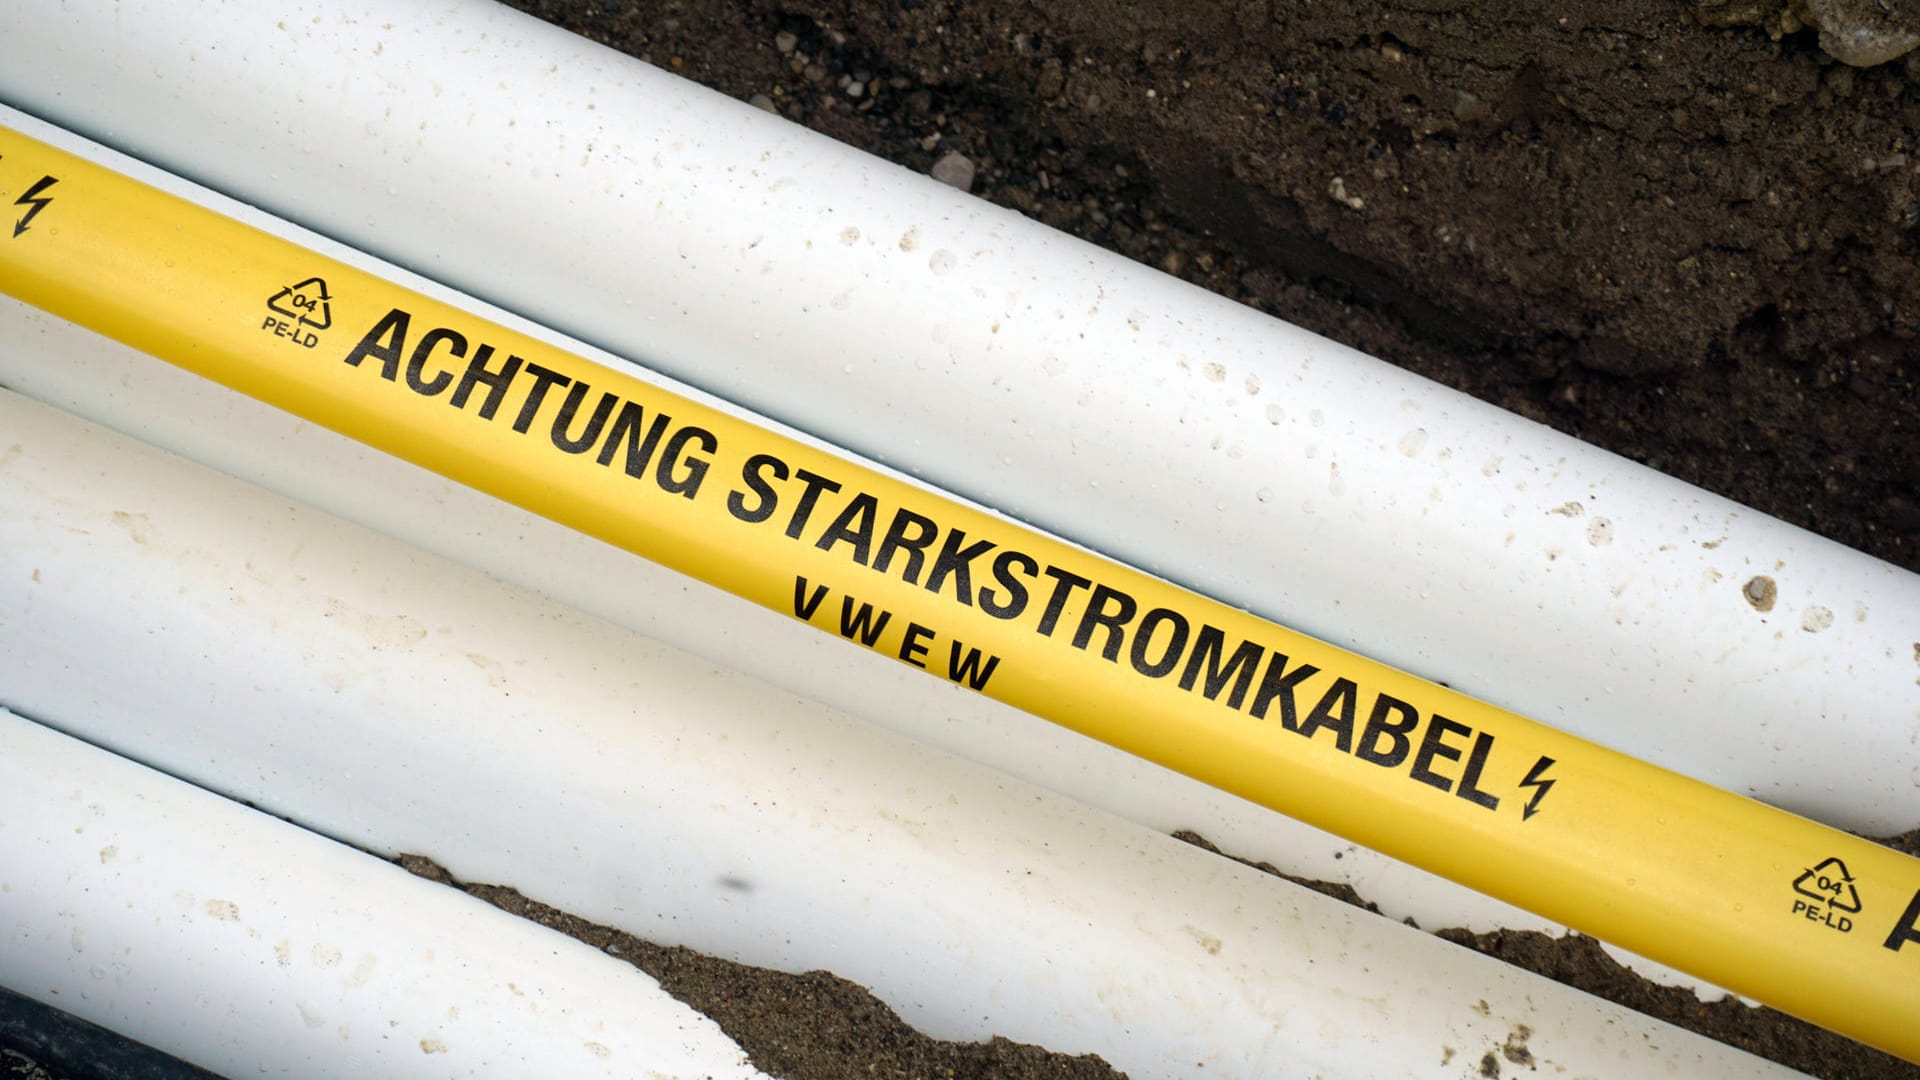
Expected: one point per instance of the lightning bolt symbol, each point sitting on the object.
(33, 201)
(1536, 779)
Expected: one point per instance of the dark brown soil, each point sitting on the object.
(1692, 245)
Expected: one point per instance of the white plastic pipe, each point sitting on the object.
(249, 946)
(85, 374)
(1094, 397)
(388, 697)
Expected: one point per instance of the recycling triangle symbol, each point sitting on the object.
(305, 302)
(1829, 882)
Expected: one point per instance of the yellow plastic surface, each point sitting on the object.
(1808, 919)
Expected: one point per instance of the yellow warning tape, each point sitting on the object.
(1805, 918)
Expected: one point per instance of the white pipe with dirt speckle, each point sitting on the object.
(248, 946)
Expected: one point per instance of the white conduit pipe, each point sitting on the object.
(387, 697)
(78, 371)
(81, 372)
(249, 946)
(1096, 398)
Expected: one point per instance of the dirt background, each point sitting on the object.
(1683, 231)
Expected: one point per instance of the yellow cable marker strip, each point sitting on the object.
(1805, 918)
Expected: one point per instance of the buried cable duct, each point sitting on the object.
(82, 372)
(392, 699)
(1633, 624)
(125, 249)
(1103, 401)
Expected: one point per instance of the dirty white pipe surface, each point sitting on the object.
(249, 946)
(390, 698)
(1093, 397)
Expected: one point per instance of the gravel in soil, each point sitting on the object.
(18, 1066)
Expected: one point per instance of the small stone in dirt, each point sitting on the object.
(762, 101)
(1337, 191)
(785, 41)
(856, 88)
(954, 170)
(1053, 79)
(1864, 33)
(1468, 108)
(22, 1067)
